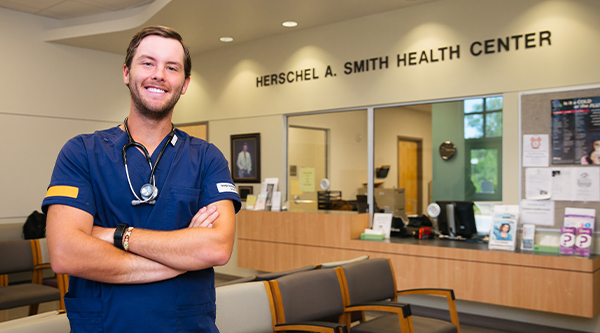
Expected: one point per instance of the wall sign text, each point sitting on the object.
(446, 53)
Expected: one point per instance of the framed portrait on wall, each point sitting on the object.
(245, 158)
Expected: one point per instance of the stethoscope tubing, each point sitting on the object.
(151, 199)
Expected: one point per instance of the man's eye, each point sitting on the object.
(173, 69)
(147, 64)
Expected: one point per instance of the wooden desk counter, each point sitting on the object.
(277, 241)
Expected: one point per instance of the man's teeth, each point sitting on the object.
(156, 90)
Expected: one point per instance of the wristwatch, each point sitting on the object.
(118, 238)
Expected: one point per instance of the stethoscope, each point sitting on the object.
(149, 191)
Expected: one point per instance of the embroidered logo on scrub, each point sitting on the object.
(226, 187)
(63, 191)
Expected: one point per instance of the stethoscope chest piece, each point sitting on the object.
(149, 191)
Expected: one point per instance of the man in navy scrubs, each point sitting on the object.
(138, 214)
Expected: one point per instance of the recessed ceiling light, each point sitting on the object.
(226, 39)
(289, 24)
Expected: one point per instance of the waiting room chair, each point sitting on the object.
(370, 285)
(18, 256)
(244, 279)
(245, 307)
(47, 322)
(301, 299)
(41, 260)
(334, 264)
(275, 275)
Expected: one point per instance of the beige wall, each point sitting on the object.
(50, 93)
(225, 80)
(347, 148)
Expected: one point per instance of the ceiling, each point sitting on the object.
(107, 25)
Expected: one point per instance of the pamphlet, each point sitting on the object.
(504, 227)
(567, 240)
(276, 202)
(250, 201)
(261, 202)
(583, 242)
(580, 217)
(528, 237)
(579, 222)
(382, 222)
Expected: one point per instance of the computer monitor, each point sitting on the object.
(457, 218)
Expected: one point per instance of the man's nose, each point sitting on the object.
(159, 74)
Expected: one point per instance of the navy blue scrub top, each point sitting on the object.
(90, 175)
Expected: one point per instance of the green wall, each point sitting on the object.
(448, 175)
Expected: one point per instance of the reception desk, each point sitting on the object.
(276, 241)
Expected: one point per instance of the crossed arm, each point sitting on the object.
(79, 248)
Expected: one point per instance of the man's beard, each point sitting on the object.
(150, 111)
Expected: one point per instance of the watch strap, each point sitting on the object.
(119, 232)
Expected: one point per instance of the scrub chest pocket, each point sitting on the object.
(183, 204)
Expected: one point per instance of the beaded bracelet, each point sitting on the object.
(126, 238)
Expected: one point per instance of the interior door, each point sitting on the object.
(409, 173)
(307, 165)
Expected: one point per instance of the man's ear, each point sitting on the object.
(185, 85)
(125, 74)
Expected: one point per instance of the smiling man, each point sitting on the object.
(139, 214)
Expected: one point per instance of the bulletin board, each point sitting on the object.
(536, 118)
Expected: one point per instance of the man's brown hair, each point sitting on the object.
(161, 31)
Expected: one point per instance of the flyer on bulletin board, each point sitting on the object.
(536, 150)
(576, 131)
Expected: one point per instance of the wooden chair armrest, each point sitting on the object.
(401, 309)
(312, 326)
(384, 306)
(427, 291)
(448, 293)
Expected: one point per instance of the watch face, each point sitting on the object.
(447, 150)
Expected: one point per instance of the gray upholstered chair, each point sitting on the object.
(244, 279)
(333, 264)
(47, 322)
(18, 256)
(275, 275)
(245, 307)
(41, 260)
(370, 285)
(9, 231)
(301, 299)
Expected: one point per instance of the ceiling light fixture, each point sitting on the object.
(289, 24)
(226, 39)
